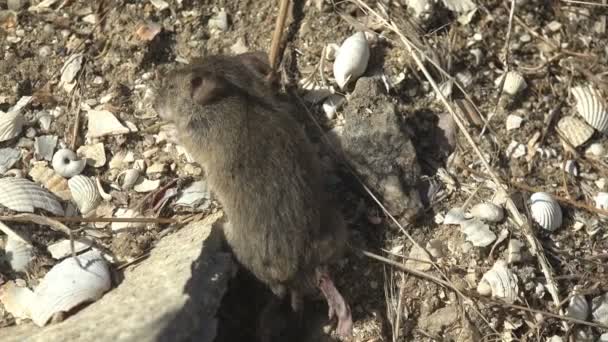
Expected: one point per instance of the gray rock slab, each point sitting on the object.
(173, 295)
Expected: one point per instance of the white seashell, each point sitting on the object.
(17, 300)
(331, 50)
(130, 178)
(44, 146)
(599, 309)
(197, 195)
(62, 249)
(147, 185)
(590, 106)
(106, 196)
(19, 253)
(95, 155)
(422, 9)
(102, 123)
(595, 150)
(126, 213)
(576, 131)
(22, 195)
(454, 216)
(514, 83)
(513, 122)
(555, 338)
(68, 285)
(332, 104)
(489, 212)
(477, 232)
(578, 307)
(601, 201)
(515, 150)
(84, 193)
(514, 251)
(545, 211)
(67, 164)
(11, 124)
(219, 21)
(8, 158)
(571, 168)
(351, 60)
(603, 338)
(499, 282)
(459, 6)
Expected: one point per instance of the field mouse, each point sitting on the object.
(265, 173)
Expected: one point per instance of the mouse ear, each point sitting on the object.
(205, 89)
(256, 61)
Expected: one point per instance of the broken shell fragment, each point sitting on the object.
(67, 164)
(499, 282)
(51, 180)
(8, 158)
(68, 285)
(591, 107)
(129, 179)
(62, 249)
(351, 60)
(477, 232)
(599, 309)
(454, 216)
(545, 211)
(578, 307)
(514, 82)
(488, 212)
(19, 253)
(84, 193)
(513, 122)
(22, 195)
(17, 300)
(332, 104)
(11, 124)
(576, 131)
(601, 201)
(514, 251)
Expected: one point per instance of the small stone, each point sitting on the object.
(219, 21)
(554, 26)
(239, 47)
(513, 122)
(525, 38)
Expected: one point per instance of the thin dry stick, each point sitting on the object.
(536, 249)
(446, 284)
(278, 33)
(585, 3)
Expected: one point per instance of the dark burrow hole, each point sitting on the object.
(242, 307)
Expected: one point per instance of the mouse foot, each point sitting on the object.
(337, 305)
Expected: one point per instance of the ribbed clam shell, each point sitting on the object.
(546, 211)
(576, 131)
(84, 193)
(489, 212)
(67, 164)
(67, 285)
(49, 179)
(599, 309)
(514, 82)
(22, 195)
(591, 107)
(19, 253)
(477, 232)
(351, 60)
(499, 282)
(11, 124)
(578, 307)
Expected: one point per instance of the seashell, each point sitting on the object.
(332, 104)
(19, 253)
(477, 232)
(603, 338)
(489, 212)
(590, 106)
(8, 158)
(68, 285)
(219, 21)
(95, 155)
(513, 122)
(17, 300)
(422, 9)
(459, 6)
(599, 309)
(102, 123)
(44, 146)
(570, 167)
(546, 211)
(514, 251)
(595, 150)
(351, 60)
(601, 202)
(555, 338)
(514, 83)
(49, 179)
(577, 132)
(454, 216)
(147, 185)
(197, 195)
(22, 195)
(84, 193)
(11, 124)
(62, 249)
(331, 50)
(106, 196)
(499, 282)
(515, 150)
(126, 213)
(67, 164)
(130, 178)
(578, 307)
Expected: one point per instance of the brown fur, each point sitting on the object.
(261, 166)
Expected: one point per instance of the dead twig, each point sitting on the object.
(277, 35)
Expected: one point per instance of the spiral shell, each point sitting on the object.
(489, 212)
(590, 106)
(576, 131)
(49, 179)
(67, 164)
(351, 60)
(11, 124)
(499, 282)
(545, 211)
(22, 195)
(514, 82)
(84, 193)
